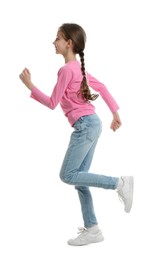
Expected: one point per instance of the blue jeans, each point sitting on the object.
(77, 161)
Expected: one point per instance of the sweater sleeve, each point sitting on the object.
(64, 78)
(103, 91)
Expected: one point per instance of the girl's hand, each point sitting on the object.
(25, 76)
(116, 122)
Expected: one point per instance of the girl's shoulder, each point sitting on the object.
(69, 67)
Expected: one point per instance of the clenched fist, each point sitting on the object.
(25, 76)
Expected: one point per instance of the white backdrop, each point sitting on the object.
(39, 213)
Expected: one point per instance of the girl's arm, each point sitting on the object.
(108, 98)
(64, 77)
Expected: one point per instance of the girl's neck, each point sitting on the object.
(71, 57)
(66, 61)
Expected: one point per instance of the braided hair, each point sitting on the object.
(78, 36)
(84, 88)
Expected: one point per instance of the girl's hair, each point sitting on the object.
(78, 36)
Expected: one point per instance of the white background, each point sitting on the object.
(39, 213)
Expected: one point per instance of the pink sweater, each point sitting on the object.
(65, 93)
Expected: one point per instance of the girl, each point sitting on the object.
(72, 91)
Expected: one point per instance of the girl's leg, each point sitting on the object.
(87, 207)
(84, 193)
(85, 135)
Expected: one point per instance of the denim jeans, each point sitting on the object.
(77, 161)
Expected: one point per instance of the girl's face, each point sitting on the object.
(61, 45)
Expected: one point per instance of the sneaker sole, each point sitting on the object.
(131, 189)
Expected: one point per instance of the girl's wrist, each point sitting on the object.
(30, 85)
(115, 114)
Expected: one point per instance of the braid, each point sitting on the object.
(84, 88)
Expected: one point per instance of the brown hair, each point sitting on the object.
(78, 36)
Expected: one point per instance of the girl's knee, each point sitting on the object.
(66, 178)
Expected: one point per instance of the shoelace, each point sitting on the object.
(81, 230)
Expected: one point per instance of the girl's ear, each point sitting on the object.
(70, 43)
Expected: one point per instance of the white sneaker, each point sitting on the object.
(126, 192)
(86, 237)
